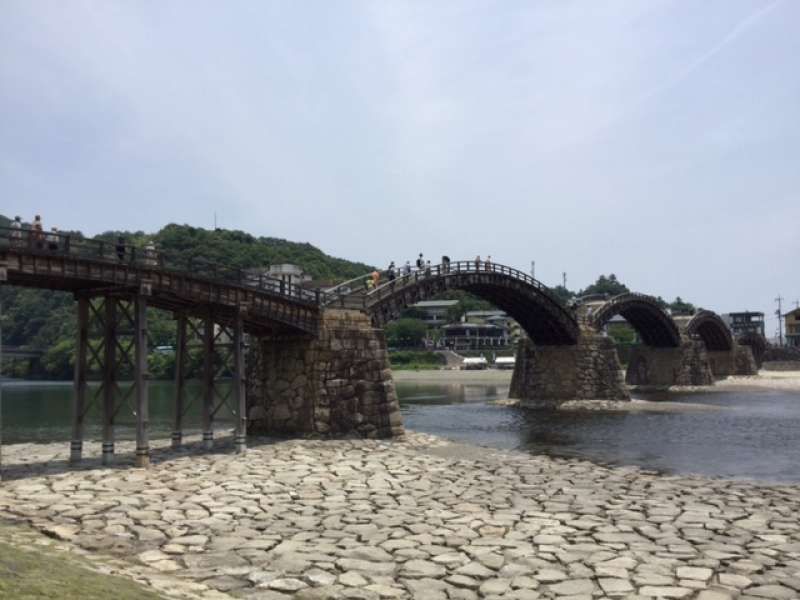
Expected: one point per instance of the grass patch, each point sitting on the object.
(33, 574)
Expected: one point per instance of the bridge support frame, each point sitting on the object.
(111, 338)
(222, 347)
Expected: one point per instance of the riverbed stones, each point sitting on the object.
(412, 518)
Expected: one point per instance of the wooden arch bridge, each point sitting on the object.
(216, 306)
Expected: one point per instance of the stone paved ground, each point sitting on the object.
(413, 519)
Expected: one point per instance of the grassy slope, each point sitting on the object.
(48, 573)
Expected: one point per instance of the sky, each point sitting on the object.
(657, 140)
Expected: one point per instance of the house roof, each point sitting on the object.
(436, 304)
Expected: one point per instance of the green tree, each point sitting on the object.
(406, 333)
(605, 285)
(680, 307)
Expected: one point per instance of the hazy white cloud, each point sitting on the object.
(654, 139)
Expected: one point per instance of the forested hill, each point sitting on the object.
(45, 320)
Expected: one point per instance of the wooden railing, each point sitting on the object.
(357, 288)
(29, 241)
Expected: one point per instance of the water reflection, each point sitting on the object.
(755, 436)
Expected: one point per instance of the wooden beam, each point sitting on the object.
(109, 378)
(180, 380)
(239, 387)
(141, 382)
(208, 381)
(79, 383)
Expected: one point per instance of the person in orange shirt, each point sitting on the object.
(376, 278)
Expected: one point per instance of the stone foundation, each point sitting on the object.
(337, 383)
(743, 360)
(551, 375)
(663, 367)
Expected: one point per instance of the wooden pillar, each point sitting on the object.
(141, 382)
(79, 383)
(180, 381)
(109, 378)
(239, 394)
(208, 382)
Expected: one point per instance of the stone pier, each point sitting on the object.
(551, 375)
(687, 364)
(336, 383)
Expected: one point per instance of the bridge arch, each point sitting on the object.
(651, 322)
(709, 327)
(540, 314)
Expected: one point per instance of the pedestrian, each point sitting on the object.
(391, 271)
(478, 262)
(420, 262)
(428, 269)
(446, 264)
(37, 232)
(52, 240)
(376, 278)
(407, 268)
(16, 232)
(121, 249)
(489, 263)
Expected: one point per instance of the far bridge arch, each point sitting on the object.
(651, 322)
(540, 313)
(666, 357)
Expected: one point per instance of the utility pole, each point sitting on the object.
(779, 314)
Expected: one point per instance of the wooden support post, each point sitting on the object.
(180, 381)
(141, 381)
(240, 435)
(208, 382)
(109, 378)
(79, 391)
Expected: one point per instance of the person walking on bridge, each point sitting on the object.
(376, 278)
(37, 232)
(488, 263)
(120, 248)
(16, 232)
(52, 239)
(407, 268)
(446, 264)
(390, 272)
(478, 262)
(420, 262)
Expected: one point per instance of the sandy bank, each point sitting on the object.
(447, 376)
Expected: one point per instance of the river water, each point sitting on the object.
(755, 435)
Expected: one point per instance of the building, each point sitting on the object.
(287, 273)
(434, 312)
(792, 322)
(498, 318)
(741, 323)
(473, 336)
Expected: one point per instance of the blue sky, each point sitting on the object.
(654, 139)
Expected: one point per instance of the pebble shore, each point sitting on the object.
(418, 518)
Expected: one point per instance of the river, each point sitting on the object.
(755, 434)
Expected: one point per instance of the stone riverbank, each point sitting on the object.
(414, 518)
